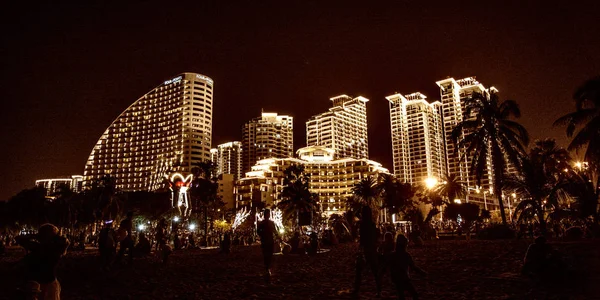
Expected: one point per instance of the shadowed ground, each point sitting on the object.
(457, 270)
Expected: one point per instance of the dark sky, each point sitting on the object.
(69, 70)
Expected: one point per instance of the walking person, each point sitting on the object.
(367, 256)
(267, 233)
(126, 238)
(400, 263)
(45, 250)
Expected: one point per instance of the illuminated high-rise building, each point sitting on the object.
(417, 138)
(229, 159)
(167, 130)
(453, 93)
(343, 128)
(268, 136)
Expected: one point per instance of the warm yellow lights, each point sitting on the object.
(431, 182)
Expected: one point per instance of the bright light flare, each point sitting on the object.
(431, 182)
(457, 201)
(141, 227)
(276, 217)
(240, 217)
(175, 219)
(192, 226)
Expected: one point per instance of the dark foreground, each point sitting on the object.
(457, 270)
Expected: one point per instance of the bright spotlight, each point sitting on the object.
(192, 226)
(431, 182)
(176, 219)
(457, 201)
(141, 227)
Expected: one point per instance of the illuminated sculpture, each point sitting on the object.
(179, 187)
(276, 217)
(240, 217)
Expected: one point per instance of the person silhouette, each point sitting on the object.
(537, 257)
(367, 256)
(125, 235)
(45, 250)
(267, 233)
(400, 263)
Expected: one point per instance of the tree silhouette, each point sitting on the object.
(487, 132)
(297, 198)
(541, 181)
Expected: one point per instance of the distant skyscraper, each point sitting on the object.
(269, 135)
(229, 159)
(453, 93)
(417, 138)
(167, 130)
(343, 128)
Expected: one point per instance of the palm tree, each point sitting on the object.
(452, 188)
(488, 134)
(586, 118)
(396, 196)
(297, 198)
(204, 190)
(368, 193)
(541, 181)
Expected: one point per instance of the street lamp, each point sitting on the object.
(176, 219)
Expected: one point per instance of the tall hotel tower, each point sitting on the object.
(453, 92)
(268, 136)
(343, 128)
(417, 138)
(166, 130)
(228, 158)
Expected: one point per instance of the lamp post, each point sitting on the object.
(478, 191)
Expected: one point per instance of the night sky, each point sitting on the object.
(69, 70)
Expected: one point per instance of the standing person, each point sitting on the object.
(45, 250)
(267, 233)
(368, 250)
(161, 233)
(126, 238)
(106, 244)
(400, 263)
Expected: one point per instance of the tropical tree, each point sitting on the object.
(451, 188)
(204, 190)
(297, 198)
(541, 181)
(586, 121)
(396, 196)
(487, 133)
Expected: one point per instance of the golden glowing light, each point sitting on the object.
(431, 182)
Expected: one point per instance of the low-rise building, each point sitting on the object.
(331, 179)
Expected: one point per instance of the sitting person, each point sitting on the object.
(143, 246)
(541, 260)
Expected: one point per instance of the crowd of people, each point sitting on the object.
(382, 250)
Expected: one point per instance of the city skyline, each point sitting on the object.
(63, 87)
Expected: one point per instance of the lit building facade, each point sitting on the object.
(417, 138)
(228, 159)
(75, 183)
(343, 128)
(453, 93)
(331, 179)
(270, 135)
(169, 129)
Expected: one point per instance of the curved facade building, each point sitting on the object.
(167, 130)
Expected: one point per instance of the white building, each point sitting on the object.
(75, 183)
(453, 93)
(331, 179)
(417, 138)
(343, 128)
(228, 159)
(169, 129)
(269, 135)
